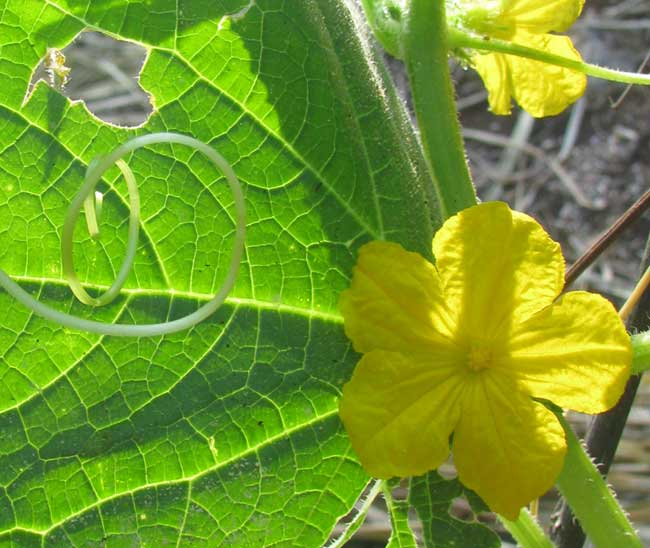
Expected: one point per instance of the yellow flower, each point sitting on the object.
(540, 88)
(470, 346)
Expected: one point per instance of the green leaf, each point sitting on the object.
(401, 536)
(228, 433)
(431, 495)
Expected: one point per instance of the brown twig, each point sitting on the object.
(631, 215)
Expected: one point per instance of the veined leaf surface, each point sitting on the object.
(227, 433)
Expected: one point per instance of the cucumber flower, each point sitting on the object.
(471, 347)
(542, 89)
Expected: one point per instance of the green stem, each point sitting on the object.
(459, 39)
(592, 502)
(425, 55)
(526, 531)
(641, 356)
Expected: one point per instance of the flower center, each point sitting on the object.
(479, 357)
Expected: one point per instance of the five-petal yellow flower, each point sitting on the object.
(469, 346)
(540, 88)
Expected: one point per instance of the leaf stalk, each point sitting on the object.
(591, 500)
(425, 54)
(526, 531)
(459, 39)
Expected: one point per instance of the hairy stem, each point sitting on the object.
(425, 54)
(641, 348)
(606, 430)
(526, 531)
(592, 502)
(459, 39)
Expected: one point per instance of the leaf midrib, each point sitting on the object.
(245, 302)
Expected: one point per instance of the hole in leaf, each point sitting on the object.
(103, 72)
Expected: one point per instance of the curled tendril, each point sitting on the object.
(91, 202)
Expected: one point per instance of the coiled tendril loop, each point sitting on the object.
(91, 202)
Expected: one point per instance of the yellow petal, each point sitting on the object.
(540, 16)
(540, 88)
(507, 448)
(399, 411)
(394, 301)
(575, 353)
(496, 265)
(493, 70)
